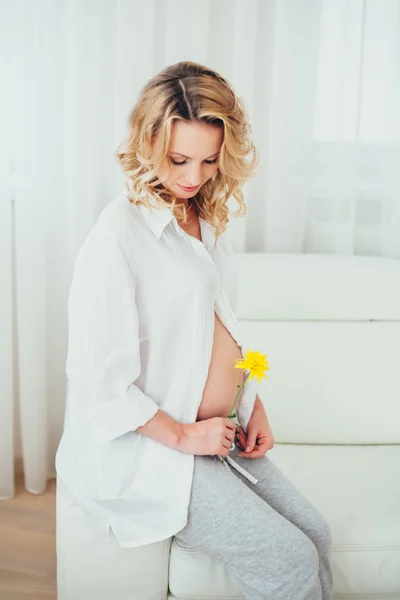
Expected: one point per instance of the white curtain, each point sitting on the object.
(321, 81)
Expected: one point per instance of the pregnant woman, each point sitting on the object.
(153, 339)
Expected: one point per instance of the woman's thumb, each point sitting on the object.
(251, 442)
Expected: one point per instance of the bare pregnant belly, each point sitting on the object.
(222, 381)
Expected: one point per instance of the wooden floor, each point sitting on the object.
(27, 545)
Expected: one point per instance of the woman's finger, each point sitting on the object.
(230, 435)
(241, 438)
(256, 453)
(259, 450)
(241, 434)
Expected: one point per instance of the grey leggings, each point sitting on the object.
(268, 535)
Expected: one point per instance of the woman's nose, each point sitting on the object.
(193, 176)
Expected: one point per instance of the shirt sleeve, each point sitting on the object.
(104, 340)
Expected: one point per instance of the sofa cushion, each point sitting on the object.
(89, 567)
(330, 382)
(315, 287)
(357, 490)
(192, 574)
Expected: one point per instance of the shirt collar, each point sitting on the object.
(158, 218)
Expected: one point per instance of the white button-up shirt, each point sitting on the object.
(141, 324)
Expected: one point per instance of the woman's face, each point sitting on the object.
(192, 158)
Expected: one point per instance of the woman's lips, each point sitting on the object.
(187, 189)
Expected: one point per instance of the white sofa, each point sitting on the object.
(330, 326)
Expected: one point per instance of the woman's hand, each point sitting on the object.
(259, 437)
(208, 437)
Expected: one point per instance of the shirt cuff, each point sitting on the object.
(116, 417)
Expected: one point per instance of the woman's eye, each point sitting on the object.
(208, 162)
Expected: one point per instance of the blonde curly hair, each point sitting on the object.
(191, 92)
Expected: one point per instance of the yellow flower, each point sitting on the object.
(255, 363)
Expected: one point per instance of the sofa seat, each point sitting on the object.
(361, 502)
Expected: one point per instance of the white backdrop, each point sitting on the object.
(321, 81)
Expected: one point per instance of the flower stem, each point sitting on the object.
(231, 415)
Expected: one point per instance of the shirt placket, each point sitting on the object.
(227, 317)
(198, 256)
